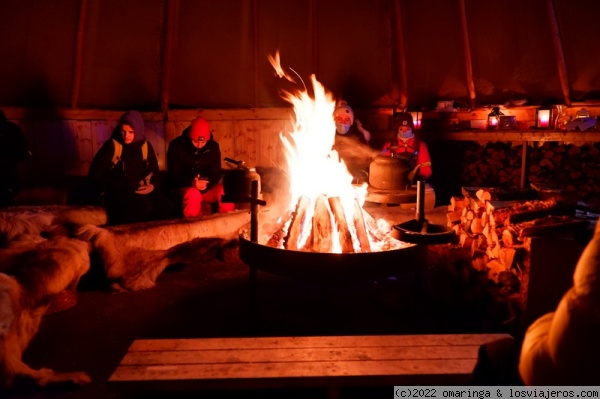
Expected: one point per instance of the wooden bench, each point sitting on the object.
(299, 362)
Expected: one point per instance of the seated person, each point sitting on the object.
(561, 348)
(125, 172)
(351, 142)
(406, 144)
(194, 169)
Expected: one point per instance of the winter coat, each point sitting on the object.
(117, 183)
(185, 162)
(129, 170)
(412, 148)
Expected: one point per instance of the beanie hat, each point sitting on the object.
(199, 130)
(343, 110)
(135, 119)
(403, 119)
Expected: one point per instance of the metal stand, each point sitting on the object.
(252, 280)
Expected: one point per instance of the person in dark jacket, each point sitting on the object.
(14, 151)
(125, 172)
(352, 142)
(194, 169)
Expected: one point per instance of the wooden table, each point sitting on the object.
(299, 362)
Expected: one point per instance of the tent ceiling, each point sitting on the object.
(157, 54)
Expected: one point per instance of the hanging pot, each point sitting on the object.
(389, 173)
(237, 182)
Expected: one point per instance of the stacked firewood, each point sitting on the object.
(568, 167)
(496, 235)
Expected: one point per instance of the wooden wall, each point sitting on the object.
(64, 141)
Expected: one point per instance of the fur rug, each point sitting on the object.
(131, 268)
(32, 271)
(46, 220)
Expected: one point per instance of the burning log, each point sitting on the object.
(280, 234)
(340, 219)
(320, 238)
(298, 219)
(361, 229)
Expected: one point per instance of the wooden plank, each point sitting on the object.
(294, 355)
(247, 141)
(78, 147)
(223, 132)
(311, 342)
(268, 362)
(294, 369)
(271, 153)
(101, 131)
(155, 134)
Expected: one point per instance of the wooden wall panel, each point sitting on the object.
(223, 133)
(78, 147)
(248, 141)
(64, 143)
(271, 150)
(155, 134)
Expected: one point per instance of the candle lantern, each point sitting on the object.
(543, 116)
(417, 116)
(494, 118)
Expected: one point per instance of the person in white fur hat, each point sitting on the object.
(351, 141)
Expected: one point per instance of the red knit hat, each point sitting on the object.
(404, 119)
(200, 131)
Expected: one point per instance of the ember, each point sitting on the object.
(325, 212)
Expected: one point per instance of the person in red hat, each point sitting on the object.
(194, 169)
(405, 144)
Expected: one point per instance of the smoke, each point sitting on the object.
(355, 154)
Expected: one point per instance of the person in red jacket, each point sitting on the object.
(194, 169)
(405, 144)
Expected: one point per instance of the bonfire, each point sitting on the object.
(325, 210)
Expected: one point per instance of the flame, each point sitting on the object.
(314, 168)
(276, 63)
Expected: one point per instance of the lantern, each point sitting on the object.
(417, 116)
(494, 118)
(543, 116)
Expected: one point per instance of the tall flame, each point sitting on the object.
(314, 167)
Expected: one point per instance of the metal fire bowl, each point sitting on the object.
(316, 266)
(412, 231)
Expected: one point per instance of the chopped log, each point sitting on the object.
(493, 247)
(361, 229)
(507, 257)
(298, 219)
(342, 225)
(322, 227)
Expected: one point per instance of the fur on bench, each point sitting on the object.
(32, 271)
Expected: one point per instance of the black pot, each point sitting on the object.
(237, 183)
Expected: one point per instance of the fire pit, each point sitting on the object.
(321, 233)
(317, 266)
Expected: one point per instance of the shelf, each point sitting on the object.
(514, 135)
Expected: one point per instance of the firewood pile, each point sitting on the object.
(327, 220)
(568, 167)
(497, 234)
